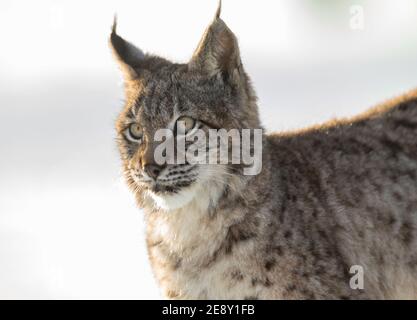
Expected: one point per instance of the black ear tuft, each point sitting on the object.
(114, 26)
(218, 51)
(129, 57)
(219, 10)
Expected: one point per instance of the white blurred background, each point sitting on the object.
(69, 228)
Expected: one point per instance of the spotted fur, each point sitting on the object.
(329, 197)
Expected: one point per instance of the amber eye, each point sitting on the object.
(184, 125)
(134, 133)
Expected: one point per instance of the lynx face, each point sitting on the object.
(212, 91)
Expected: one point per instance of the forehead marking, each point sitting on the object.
(134, 110)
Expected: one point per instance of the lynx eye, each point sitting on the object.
(185, 125)
(134, 132)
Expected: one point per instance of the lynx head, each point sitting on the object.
(211, 91)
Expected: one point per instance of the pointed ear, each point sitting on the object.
(129, 57)
(218, 51)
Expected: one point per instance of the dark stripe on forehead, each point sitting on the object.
(149, 94)
(159, 101)
(131, 113)
(138, 104)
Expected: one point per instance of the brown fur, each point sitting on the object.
(328, 197)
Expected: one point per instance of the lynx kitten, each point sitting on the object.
(328, 198)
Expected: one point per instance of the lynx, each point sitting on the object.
(330, 198)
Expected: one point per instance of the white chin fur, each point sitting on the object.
(207, 192)
(175, 201)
